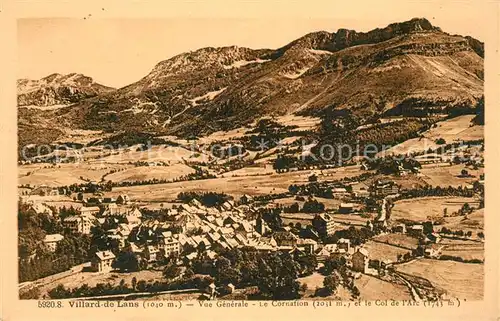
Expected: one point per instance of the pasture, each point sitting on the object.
(460, 280)
(422, 208)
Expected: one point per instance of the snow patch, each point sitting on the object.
(241, 63)
(53, 107)
(320, 52)
(140, 106)
(297, 74)
(208, 96)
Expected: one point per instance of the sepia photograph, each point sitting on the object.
(241, 160)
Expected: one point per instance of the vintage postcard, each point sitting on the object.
(250, 159)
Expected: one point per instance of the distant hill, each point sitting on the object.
(400, 69)
(57, 89)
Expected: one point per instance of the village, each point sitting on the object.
(183, 220)
(133, 238)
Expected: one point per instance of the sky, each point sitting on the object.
(119, 51)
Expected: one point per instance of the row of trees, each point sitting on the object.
(435, 191)
(208, 199)
(309, 206)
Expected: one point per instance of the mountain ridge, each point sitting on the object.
(404, 66)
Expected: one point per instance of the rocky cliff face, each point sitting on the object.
(410, 64)
(57, 89)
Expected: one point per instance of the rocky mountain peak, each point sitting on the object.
(57, 89)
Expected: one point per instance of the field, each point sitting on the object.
(460, 280)
(303, 218)
(251, 170)
(168, 154)
(473, 222)
(396, 239)
(380, 251)
(62, 174)
(142, 173)
(352, 219)
(419, 209)
(235, 186)
(466, 249)
(451, 130)
(449, 175)
(372, 288)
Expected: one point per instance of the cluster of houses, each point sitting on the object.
(193, 228)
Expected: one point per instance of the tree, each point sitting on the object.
(128, 261)
(171, 271)
(278, 274)
(141, 286)
(440, 141)
(355, 291)
(313, 178)
(330, 284)
(188, 273)
(134, 283)
(479, 119)
(428, 227)
(465, 209)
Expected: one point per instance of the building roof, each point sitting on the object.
(49, 238)
(246, 226)
(166, 234)
(346, 205)
(105, 255)
(363, 251)
(325, 217)
(40, 208)
(89, 209)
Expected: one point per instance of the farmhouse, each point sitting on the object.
(400, 228)
(245, 199)
(307, 245)
(344, 244)
(430, 252)
(102, 261)
(416, 229)
(339, 192)
(385, 187)
(123, 199)
(44, 190)
(360, 260)
(51, 241)
(346, 208)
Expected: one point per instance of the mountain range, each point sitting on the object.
(405, 66)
